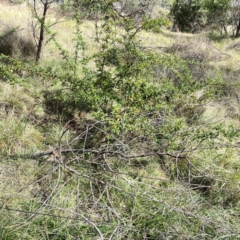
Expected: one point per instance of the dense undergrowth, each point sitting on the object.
(120, 138)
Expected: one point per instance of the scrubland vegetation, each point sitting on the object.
(122, 129)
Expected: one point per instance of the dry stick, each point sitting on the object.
(145, 195)
(82, 151)
(77, 218)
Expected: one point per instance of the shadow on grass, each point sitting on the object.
(217, 37)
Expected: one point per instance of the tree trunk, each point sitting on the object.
(224, 28)
(41, 35)
(238, 28)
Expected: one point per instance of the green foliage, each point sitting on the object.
(93, 8)
(189, 16)
(132, 159)
(217, 12)
(192, 16)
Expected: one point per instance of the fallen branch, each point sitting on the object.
(56, 152)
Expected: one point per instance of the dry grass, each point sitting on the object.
(66, 38)
(17, 42)
(219, 54)
(17, 101)
(199, 49)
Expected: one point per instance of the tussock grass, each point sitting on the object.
(18, 136)
(16, 37)
(17, 129)
(16, 101)
(17, 42)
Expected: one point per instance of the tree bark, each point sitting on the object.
(238, 28)
(42, 30)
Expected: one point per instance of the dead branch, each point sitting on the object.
(98, 152)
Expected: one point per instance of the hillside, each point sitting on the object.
(116, 133)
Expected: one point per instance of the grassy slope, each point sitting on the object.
(29, 185)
